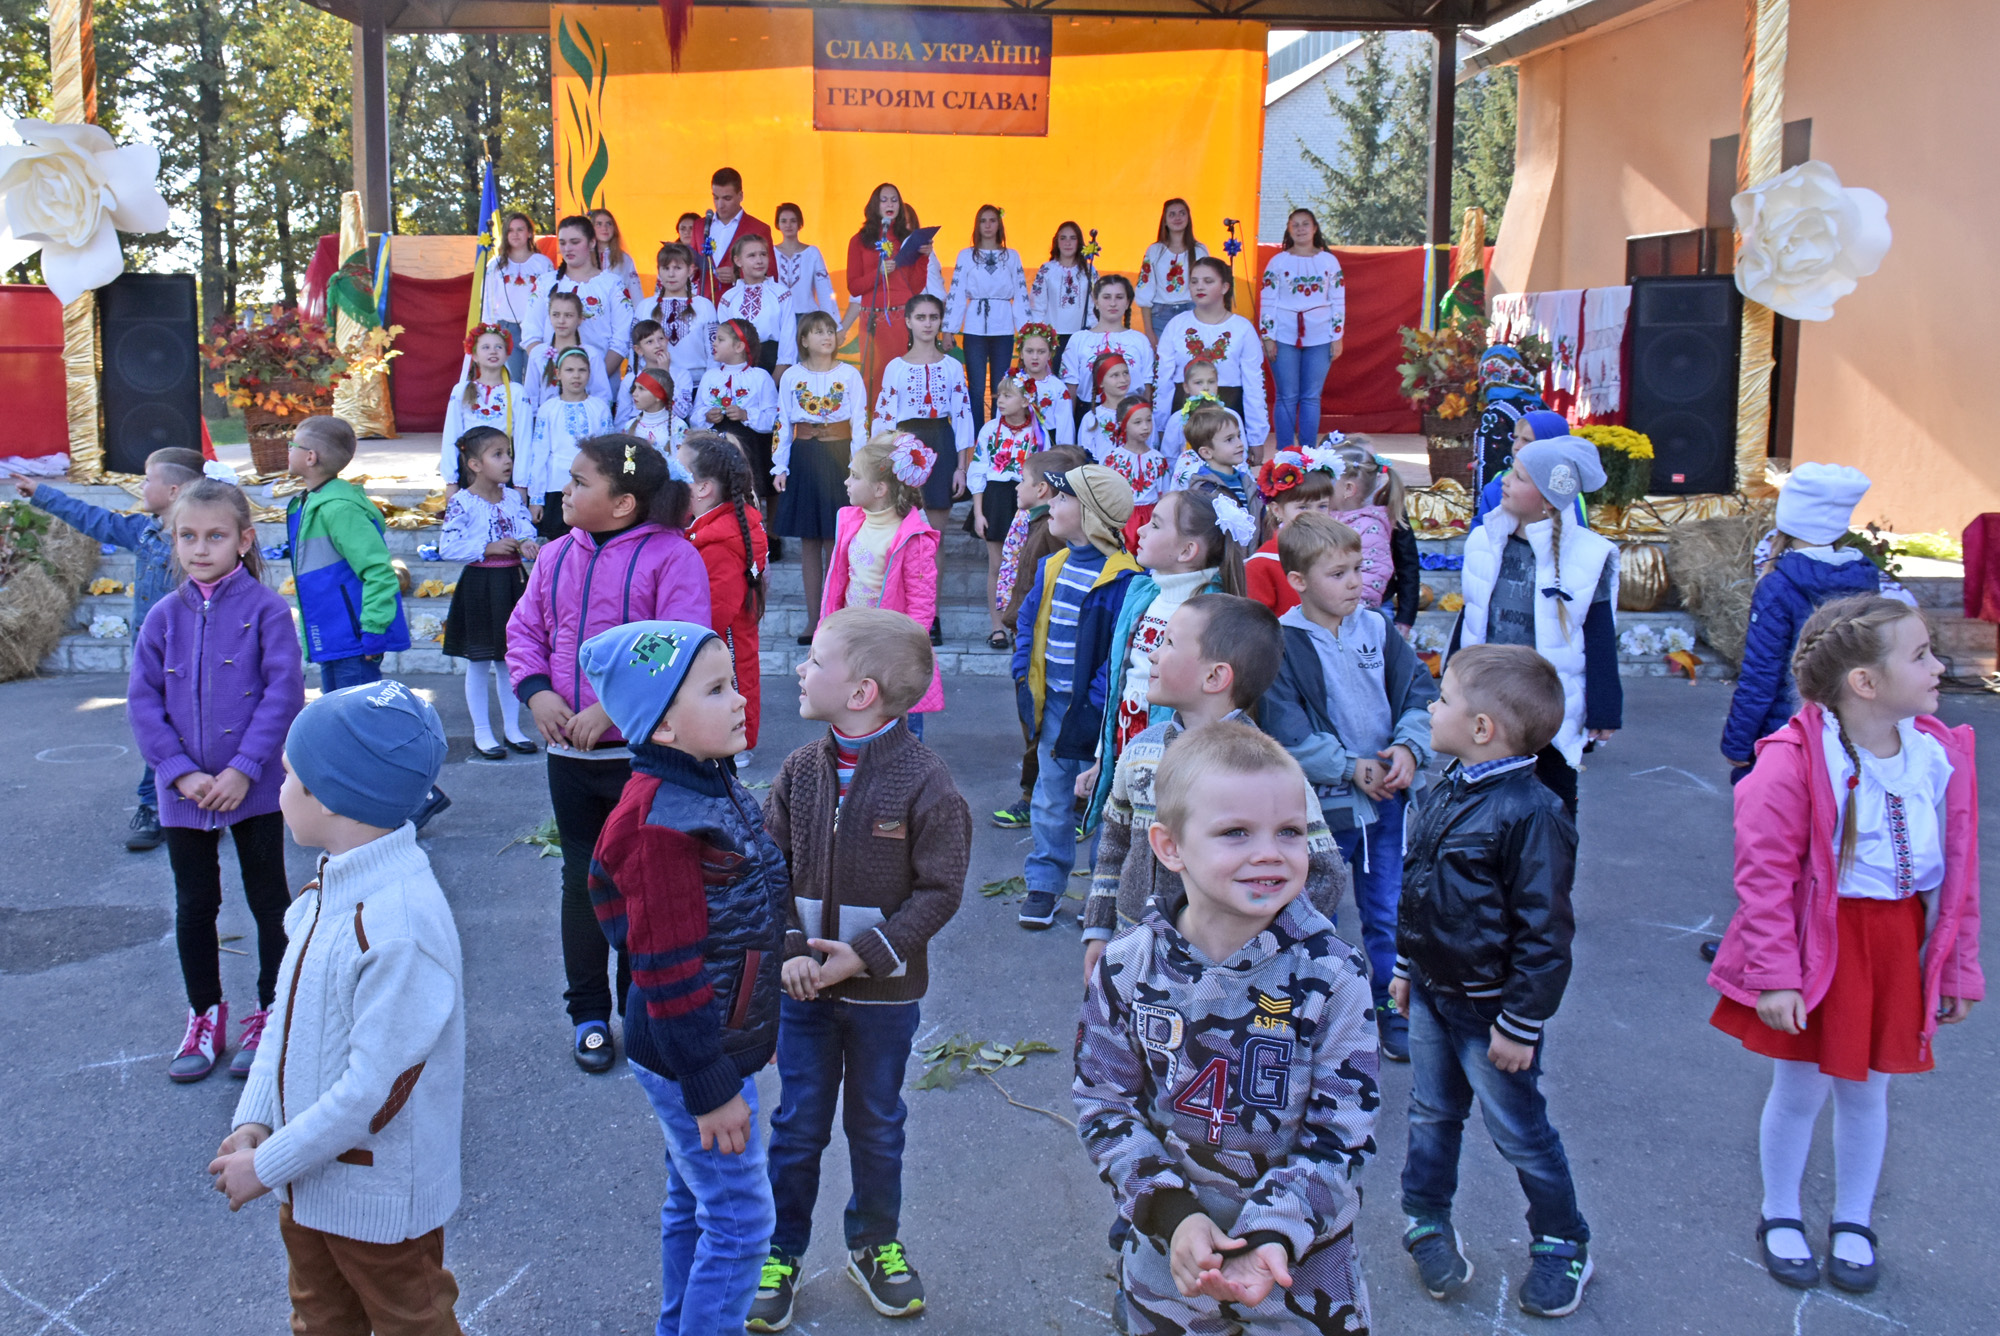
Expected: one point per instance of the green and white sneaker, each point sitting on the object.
(888, 1279)
(771, 1310)
(1014, 816)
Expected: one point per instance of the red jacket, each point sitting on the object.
(1784, 934)
(719, 539)
(746, 226)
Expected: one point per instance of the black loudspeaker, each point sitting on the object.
(1683, 393)
(152, 367)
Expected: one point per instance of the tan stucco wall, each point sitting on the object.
(1614, 137)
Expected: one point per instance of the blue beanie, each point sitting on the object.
(369, 753)
(1546, 425)
(636, 670)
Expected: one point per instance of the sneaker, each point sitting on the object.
(1392, 1031)
(1439, 1253)
(771, 1310)
(144, 833)
(1012, 817)
(1038, 910)
(246, 1046)
(202, 1045)
(1558, 1269)
(885, 1276)
(594, 1051)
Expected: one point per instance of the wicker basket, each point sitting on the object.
(1452, 454)
(270, 433)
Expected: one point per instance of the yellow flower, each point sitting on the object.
(1451, 603)
(102, 585)
(290, 586)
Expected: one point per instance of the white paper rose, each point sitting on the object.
(1807, 240)
(67, 191)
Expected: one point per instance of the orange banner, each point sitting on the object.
(930, 104)
(931, 72)
(1137, 111)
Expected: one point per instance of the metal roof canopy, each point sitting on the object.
(499, 16)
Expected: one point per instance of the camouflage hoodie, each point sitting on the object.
(1244, 1089)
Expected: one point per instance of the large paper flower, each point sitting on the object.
(67, 191)
(1807, 240)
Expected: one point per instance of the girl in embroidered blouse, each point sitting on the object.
(1857, 929)
(822, 420)
(1062, 286)
(800, 267)
(1163, 273)
(612, 256)
(993, 475)
(1111, 297)
(488, 396)
(563, 315)
(1302, 315)
(738, 399)
(486, 526)
(509, 290)
(762, 301)
(1211, 331)
(924, 394)
(607, 317)
(684, 314)
(988, 302)
(1053, 402)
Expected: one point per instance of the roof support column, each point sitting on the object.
(1439, 229)
(371, 114)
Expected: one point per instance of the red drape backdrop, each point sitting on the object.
(432, 314)
(32, 381)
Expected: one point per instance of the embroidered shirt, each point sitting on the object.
(542, 382)
(506, 407)
(747, 387)
(559, 425)
(1060, 297)
(1000, 453)
(805, 277)
(925, 390)
(509, 289)
(1086, 346)
(1898, 813)
(1144, 468)
(820, 398)
(607, 315)
(471, 522)
(1054, 404)
(768, 306)
(1232, 344)
(687, 322)
(1302, 300)
(989, 293)
(1163, 275)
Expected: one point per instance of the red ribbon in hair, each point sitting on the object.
(1105, 361)
(477, 332)
(746, 334)
(651, 384)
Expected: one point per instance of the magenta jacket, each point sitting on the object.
(1784, 933)
(909, 586)
(645, 573)
(216, 684)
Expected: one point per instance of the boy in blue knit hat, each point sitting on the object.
(685, 880)
(363, 1131)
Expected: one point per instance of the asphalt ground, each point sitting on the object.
(110, 1227)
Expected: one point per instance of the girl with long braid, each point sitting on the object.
(728, 531)
(1857, 928)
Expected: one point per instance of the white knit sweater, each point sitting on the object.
(362, 1070)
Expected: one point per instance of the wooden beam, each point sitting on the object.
(371, 113)
(1439, 225)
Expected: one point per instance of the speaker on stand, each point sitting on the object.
(1685, 342)
(149, 334)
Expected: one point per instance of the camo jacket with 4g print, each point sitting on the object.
(1244, 1089)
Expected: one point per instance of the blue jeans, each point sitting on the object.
(1301, 375)
(1374, 855)
(357, 671)
(1052, 808)
(915, 723)
(1448, 1066)
(149, 792)
(517, 361)
(715, 1229)
(851, 1054)
(1164, 312)
(986, 360)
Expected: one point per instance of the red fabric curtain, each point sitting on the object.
(1385, 292)
(432, 314)
(31, 372)
(325, 264)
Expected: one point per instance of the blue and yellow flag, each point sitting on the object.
(490, 242)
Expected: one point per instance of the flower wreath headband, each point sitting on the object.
(478, 332)
(911, 460)
(1033, 329)
(1288, 468)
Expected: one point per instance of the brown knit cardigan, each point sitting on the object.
(882, 872)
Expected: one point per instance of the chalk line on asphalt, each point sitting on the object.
(468, 1322)
(57, 1317)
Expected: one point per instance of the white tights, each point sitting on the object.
(1860, 1134)
(480, 677)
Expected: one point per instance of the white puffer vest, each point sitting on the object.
(1584, 554)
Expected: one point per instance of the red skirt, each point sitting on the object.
(1872, 1016)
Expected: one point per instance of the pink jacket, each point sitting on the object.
(1784, 933)
(646, 573)
(1378, 566)
(909, 586)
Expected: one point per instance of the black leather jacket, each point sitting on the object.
(1485, 910)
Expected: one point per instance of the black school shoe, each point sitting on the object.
(1846, 1275)
(1800, 1275)
(594, 1051)
(144, 833)
(490, 753)
(888, 1279)
(1439, 1253)
(1558, 1269)
(771, 1310)
(1038, 909)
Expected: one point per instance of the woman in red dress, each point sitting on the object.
(882, 285)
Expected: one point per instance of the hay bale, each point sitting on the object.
(1710, 561)
(35, 605)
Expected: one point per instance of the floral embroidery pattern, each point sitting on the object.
(1176, 277)
(1899, 839)
(727, 395)
(1205, 352)
(820, 405)
(753, 300)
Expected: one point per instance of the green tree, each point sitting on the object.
(455, 101)
(1483, 145)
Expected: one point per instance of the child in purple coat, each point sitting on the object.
(216, 682)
